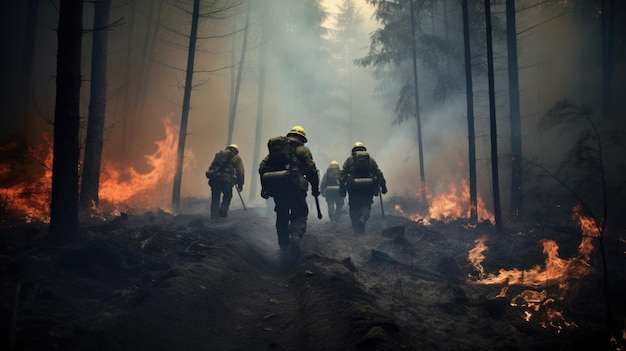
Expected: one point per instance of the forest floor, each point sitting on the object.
(157, 281)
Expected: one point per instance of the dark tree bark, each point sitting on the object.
(64, 201)
(97, 108)
(417, 106)
(260, 102)
(182, 134)
(517, 196)
(235, 99)
(469, 93)
(608, 7)
(497, 210)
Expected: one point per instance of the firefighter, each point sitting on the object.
(330, 190)
(225, 170)
(286, 173)
(361, 178)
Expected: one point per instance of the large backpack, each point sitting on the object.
(362, 167)
(362, 180)
(283, 167)
(332, 176)
(221, 168)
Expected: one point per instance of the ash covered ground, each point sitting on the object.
(157, 281)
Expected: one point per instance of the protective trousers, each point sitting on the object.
(220, 191)
(360, 208)
(291, 216)
(335, 206)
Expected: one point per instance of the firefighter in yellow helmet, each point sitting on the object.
(330, 190)
(225, 170)
(286, 173)
(361, 178)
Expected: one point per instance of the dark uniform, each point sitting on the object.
(330, 190)
(222, 177)
(290, 206)
(360, 202)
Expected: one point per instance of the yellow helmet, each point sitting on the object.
(358, 144)
(234, 146)
(334, 163)
(299, 131)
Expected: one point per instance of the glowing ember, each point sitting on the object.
(454, 204)
(556, 271)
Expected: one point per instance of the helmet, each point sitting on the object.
(299, 131)
(360, 145)
(334, 163)
(234, 146)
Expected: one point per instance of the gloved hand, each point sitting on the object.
(383, 189)
(315, 192)
(239, 187)
(265, 194)
(342, 192)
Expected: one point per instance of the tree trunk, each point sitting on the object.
(64, 200)
(97, 108)
(517, 200)
(469, 93)
(233, 107)
(127, 86)
(182, 135)
(417, 107)
(260, 103)
(492, 121)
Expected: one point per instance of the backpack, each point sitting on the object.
(362, 168)
(362, 180)
(332, 176)
(283, 170)
(221, 168)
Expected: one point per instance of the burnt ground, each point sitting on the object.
(156, 281)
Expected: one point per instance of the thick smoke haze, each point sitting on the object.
(308, 83)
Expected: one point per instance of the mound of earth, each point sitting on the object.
(162, 282)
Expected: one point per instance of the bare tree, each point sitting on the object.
(64, 201)
(469, 93)
(497, 209)
(97, 107)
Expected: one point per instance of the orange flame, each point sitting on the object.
(556, 271)
(451, 205)
(30, 200)
(130, 188)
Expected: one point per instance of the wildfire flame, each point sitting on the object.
(453, 204)
(555, 271)
(118, 187)
(30, 200)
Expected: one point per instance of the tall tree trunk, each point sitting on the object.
(260, 102)
(469, 93)
(516, 210)
(417, 107)
(97, 107)
(233, 107)
(492, 121)
(64, 200)
(182, 134)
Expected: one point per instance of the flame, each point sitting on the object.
(118, 187)
(453, 204)
(30, 200)
(555, 271)
(129, 188)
